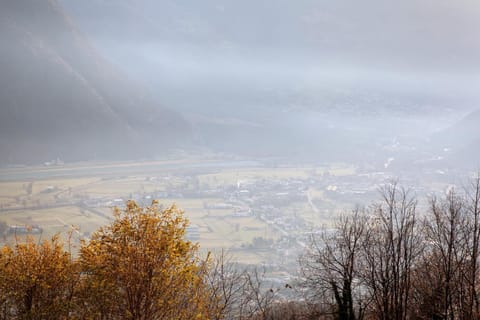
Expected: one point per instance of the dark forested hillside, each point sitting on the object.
(60, 98)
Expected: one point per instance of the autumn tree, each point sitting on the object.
(141, 267)
(37, 280)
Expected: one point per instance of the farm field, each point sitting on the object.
(244, 207)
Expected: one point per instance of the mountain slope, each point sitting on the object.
(60, 98)
(461, 141)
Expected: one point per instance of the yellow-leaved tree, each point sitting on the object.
(142, 267)
(37, 280)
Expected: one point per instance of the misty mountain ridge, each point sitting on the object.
(262, 70)
(60, 98)
(340, 81)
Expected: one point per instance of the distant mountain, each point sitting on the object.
(60, 99)
(461, 141)
(341, 79)
(358, 57)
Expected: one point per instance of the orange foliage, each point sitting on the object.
(138, 267)
(37, 281)
(141, 267)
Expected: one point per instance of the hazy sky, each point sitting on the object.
(407, 45)
(236, 70)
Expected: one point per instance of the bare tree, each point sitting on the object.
(228, 284)
(258, 298)
(239, 293)
(391, 267)
(447, 250)
(451, 261)
(330, 267)
(472, 198)
(391, 249)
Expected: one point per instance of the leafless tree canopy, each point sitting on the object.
(390, 262)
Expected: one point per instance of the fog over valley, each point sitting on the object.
(325, 69)
(285, 149)
(309, 79)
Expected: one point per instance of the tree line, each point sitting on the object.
(388, 261)
(391, 262)
(140, 267)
